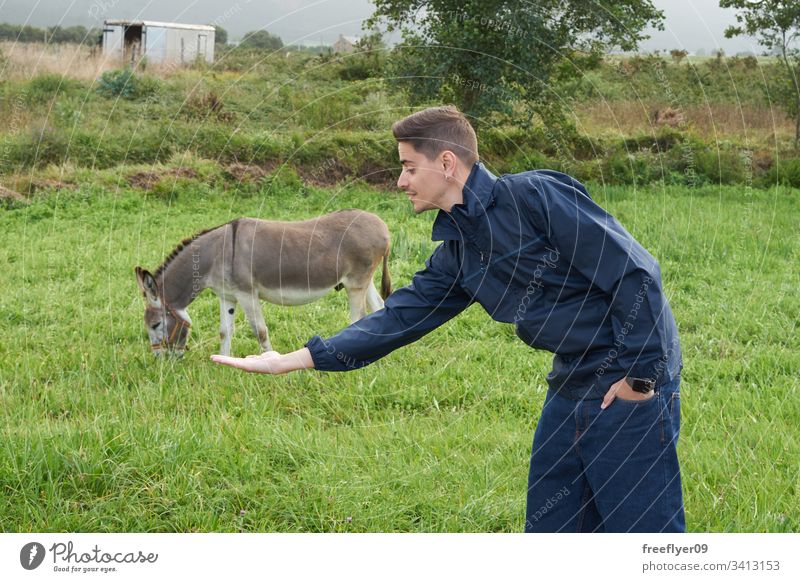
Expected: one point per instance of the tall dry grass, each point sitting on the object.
(22, 61)
(712, 122)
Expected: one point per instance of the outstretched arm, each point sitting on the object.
(432, 298)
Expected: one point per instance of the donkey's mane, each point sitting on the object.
(182, 245)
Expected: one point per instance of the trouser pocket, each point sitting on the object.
(632, 467)
(673, 413)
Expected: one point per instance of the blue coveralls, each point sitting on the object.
(534, 249)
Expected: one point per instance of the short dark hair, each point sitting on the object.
(436, 129)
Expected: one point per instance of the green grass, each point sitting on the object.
(97, 435)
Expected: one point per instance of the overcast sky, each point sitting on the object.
(690, 24)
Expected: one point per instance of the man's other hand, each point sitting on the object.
(624, 391)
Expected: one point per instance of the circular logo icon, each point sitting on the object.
(31, 555)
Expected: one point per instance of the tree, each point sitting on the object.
(366, 61)
(220, 35)
(54, 34)
(74, 34)
(776, 24)
(487, 55)
(261, 39)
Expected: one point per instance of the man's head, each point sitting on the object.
(437, 149)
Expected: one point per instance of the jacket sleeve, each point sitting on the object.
(600, 248)
(433, 297)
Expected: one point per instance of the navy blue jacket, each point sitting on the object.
(533, 249)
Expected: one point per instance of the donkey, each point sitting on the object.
(287, 263)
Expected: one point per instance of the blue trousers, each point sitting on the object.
(612, 470)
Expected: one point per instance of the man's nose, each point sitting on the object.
(401, 181)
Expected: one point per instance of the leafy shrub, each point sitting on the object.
(284, 181)
(46, 146)
(362, 65)
(784, 172)
(208, 106)
(44, 88)
(532, 160)
(723, 166)
(627, 168)
(261, 39)
(126, 84)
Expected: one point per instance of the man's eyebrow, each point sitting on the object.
(404, 162)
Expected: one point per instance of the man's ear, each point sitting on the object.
(148, 285)
(449, 163)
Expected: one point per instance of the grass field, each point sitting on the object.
(97, 435)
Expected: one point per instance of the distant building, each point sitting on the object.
(160, 42)
(345, 44)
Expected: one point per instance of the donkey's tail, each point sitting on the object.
(386, 279)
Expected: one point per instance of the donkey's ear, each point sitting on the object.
(148, 285)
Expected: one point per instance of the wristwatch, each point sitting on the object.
(643, 385)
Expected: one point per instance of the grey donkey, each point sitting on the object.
(247, 259)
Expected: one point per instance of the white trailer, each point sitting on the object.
(159, 42)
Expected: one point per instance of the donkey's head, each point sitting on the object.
(168, 329)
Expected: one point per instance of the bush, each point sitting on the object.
(361, 66)
(44, 88)
(722, 166)
(170, 187)
(47, 146)
(261, 39)
(627, 168)
(284, 181)
(783, 172)
(124, 83)
(532, 160)
(206, 107)
(509, 142)
(665, 139)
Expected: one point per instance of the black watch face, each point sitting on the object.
(642, 386)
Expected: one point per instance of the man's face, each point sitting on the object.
(422, 180)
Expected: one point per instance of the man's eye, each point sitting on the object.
(155, 325)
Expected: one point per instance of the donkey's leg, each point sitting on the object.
(227, 308)
(252, 309)
(357, 297)
(374, 301)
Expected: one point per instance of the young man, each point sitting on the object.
(534, 250)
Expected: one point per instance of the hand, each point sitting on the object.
(266, 363)
(624, 390)
(270, 362)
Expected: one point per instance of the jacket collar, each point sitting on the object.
(463, 218)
